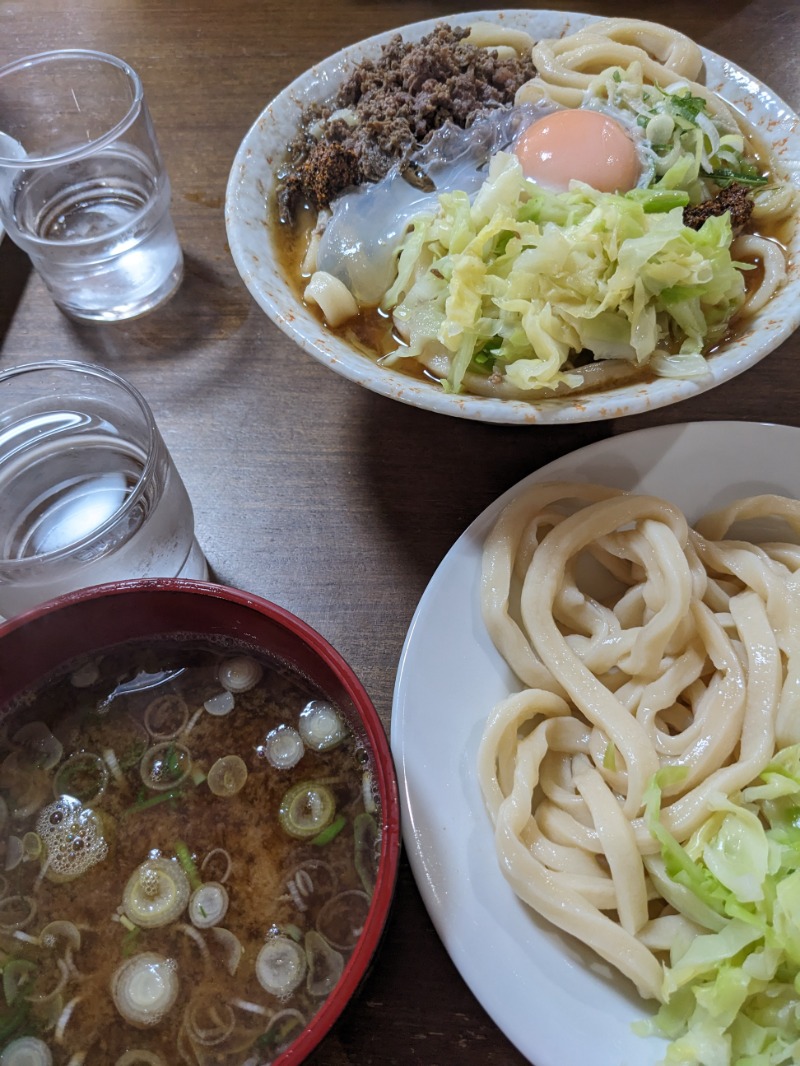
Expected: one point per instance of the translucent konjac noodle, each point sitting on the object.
(190, 837)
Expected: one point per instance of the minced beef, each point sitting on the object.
(397, 101)
(735, 198)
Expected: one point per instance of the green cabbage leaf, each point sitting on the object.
(732, 993)
(521, 279)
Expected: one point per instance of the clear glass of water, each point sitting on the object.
(83, 189)
(88, 491)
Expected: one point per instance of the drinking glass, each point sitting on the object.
(89, 491)
(83, 189)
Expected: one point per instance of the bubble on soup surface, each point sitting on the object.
(73, 837)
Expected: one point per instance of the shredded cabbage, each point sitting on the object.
(520, 279)
(732, 994)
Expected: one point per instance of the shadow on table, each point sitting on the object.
(461, 467)
(15, 269)
(206, 308)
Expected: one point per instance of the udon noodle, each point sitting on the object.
(642, 643)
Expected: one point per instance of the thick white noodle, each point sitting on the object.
(566, 66)
(491, 35)
(751, 247)
(642, 643)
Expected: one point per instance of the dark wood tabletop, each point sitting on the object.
(330, 500)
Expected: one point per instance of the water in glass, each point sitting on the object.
(100, 232)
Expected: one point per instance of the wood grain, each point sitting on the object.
(334, 502)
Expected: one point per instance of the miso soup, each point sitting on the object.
(189, 839)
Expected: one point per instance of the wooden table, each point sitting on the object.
(334, 502)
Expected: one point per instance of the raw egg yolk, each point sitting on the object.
(585, 145)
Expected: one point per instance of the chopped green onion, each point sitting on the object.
(688, 106)
(657, 201)
(321, 726)
(188, 864)
(726, 176)
(227, 776)
(294, 931)
(152, 801)
(173, 763)
(208, 905)
(129, 941)
(331, 831)
(306, 809)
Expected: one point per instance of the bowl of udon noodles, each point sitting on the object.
(199, 830)
(459, 283)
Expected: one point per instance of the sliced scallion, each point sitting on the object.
(208, 905)
(280, 966)
(240, 673)
(165, 766)
(306, 809)
(156, 893)
(325, 964)
(145, 988)
(26, 1051)
(227, 776)
(321, 725)
(283, 747)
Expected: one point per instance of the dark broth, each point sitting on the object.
(59, 991)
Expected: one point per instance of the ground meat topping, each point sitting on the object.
(735, 198)
(329, 167)
(390, 106)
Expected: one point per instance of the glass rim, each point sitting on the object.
(89, 147)
(151, 458)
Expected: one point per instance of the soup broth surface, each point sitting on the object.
(172, 890)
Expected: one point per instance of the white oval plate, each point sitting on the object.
(551, 997)
(252, 232)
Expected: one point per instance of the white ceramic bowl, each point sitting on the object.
(252, 237)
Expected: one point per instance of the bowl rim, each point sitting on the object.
(769, 328)
(359, 963)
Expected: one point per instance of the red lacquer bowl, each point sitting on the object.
(39, 641)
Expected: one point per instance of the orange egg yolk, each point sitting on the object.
(587, 146)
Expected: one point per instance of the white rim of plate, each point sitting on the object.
(252, 178)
